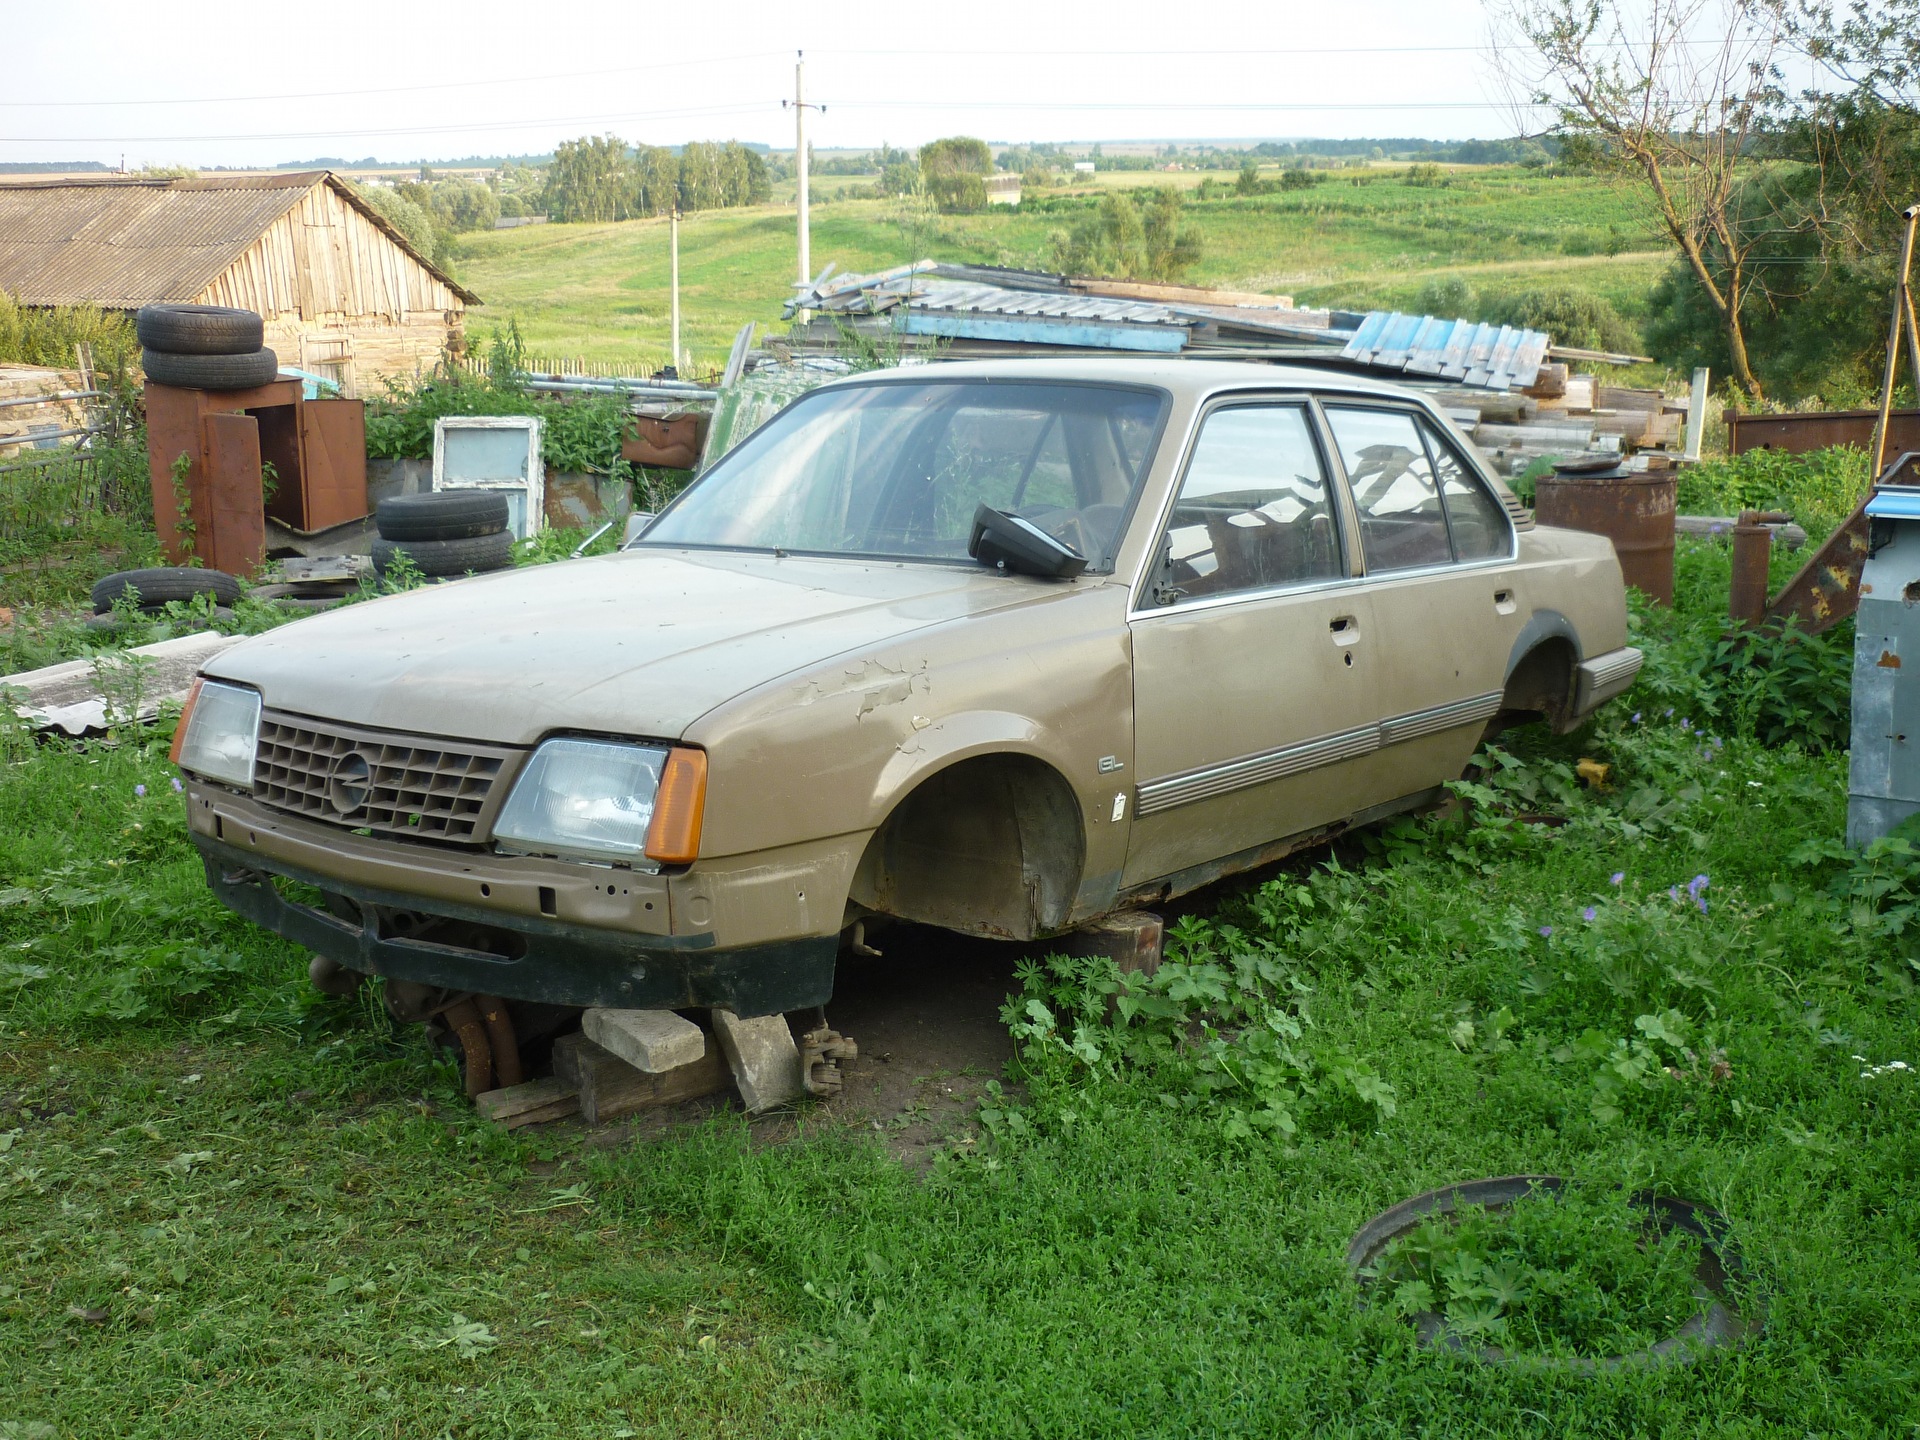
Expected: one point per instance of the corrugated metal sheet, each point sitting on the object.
(1033, 308)
(123, 243)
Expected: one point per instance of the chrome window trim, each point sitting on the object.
(1208, 782)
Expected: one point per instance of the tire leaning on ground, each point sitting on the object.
(210, 372)
(199, 329)
(447, 557)
(155, 587)
(441, 515)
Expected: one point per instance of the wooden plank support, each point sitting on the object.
(608, 1087)
(533, 1103)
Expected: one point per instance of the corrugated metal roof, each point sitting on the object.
(123, 242)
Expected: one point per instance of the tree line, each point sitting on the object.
(602, 178)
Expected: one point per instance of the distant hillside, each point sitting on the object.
(53, 167)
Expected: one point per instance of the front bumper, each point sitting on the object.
(552, 961)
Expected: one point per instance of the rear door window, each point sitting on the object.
(1402, 523)
(1481, 530)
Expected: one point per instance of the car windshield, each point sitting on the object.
(896, 470)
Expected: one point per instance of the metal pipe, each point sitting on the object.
(1752, 547)
(582, 547)
(638, 392)
(505, 1045)
(463, 1018)
(35, 437)
(1911, 214)
(53, 399)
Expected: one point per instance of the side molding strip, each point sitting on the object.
(1171, 791)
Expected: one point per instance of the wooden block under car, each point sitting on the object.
(530, 1104)
(609, 1087)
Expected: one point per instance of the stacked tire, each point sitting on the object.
(151, 590)
(204, 347)
(443, 533)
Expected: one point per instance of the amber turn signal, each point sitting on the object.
(673, 836)
(186, 714)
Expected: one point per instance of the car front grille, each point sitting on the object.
(380, 781)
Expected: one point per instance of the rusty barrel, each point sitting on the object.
(1634, 511)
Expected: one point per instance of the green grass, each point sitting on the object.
(282, 1204)
(600, 291)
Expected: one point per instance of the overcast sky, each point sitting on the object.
(223, 83)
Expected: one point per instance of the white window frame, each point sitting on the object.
(533, 482)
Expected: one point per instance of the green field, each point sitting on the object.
(599, 292)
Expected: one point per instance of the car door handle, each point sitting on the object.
(1345, 629)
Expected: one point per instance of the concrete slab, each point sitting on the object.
(764, 1060)
(651, 1040)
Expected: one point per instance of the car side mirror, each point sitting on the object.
(1020, 546)
(636, 523)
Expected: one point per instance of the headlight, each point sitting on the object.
(597, 800)
(219, 733)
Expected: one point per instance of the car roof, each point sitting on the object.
(1191, 380)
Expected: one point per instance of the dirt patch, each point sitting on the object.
(926, 1014)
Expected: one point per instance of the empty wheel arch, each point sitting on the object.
(989, 846)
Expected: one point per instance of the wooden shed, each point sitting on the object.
(342, 292)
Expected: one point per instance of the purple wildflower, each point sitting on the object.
(1696, 885)
(140, 790)
(1673, 892)
(1636, 717)
(1546, 930)
(1589, 913)
(1685, 723)
(176, 784)
(1669, 714)
(1618, 876)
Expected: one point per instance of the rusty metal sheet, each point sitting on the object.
(1806, 431)
(1826, 590)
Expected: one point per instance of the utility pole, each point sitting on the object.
(800, 108)
(800, 159)
(673, 250)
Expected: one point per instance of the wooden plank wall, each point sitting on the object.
(324, 269)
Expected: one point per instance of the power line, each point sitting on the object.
(697, 112)
(515, 80)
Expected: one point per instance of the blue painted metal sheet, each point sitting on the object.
(1902, 504)
(1164, 340)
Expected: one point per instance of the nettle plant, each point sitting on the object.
(1654, 956)
(1222, 1028)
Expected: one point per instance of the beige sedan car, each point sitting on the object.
(999, 646)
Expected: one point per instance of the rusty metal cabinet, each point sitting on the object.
(317, 449)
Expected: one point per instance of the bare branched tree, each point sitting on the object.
(1669, 93)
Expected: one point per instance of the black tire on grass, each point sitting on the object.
(477, 553)
(210, 372)
(154, 588)
(442, 515)
(199, 329)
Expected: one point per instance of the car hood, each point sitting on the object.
(640, 643)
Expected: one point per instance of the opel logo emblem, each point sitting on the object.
(347, 784)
